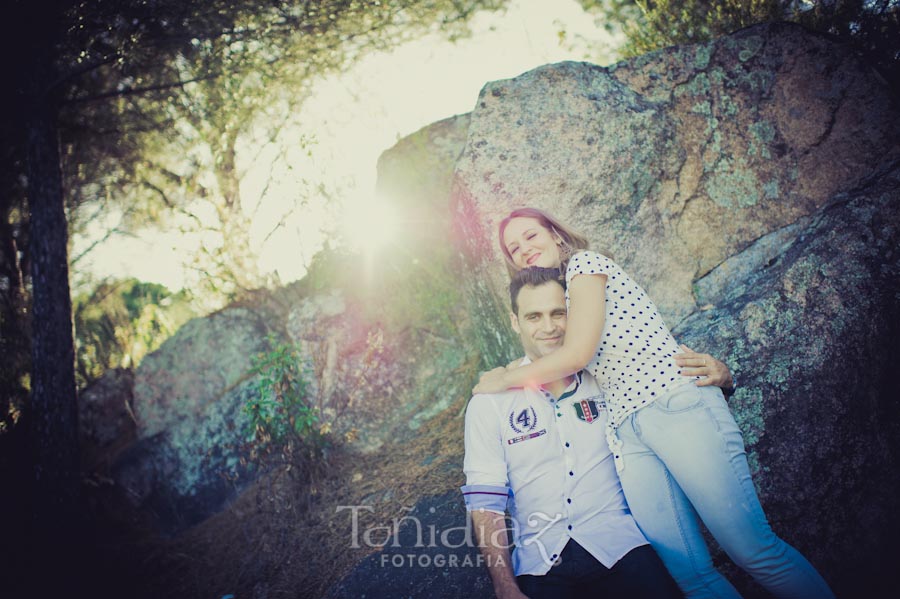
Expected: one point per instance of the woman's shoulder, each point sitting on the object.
(589, 262)
(586, 254)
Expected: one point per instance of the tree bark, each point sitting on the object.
(54, 410)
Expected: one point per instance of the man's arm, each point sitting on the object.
(491, 533)
(486, 492)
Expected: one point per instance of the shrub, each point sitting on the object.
(284, 426)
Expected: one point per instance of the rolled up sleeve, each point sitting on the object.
(487, 485)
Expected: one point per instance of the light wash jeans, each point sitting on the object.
(683, 457)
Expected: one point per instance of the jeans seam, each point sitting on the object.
(691, 555)
(635, 426)
(760, 520)
(734, 471)
(684, 537)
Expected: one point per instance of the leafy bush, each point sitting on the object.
(872, 26)
(120, 322)
(283, 422)
(671, 22)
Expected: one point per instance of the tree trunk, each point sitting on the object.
(54, 410)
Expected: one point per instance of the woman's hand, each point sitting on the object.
(492, 381)
(697, 364)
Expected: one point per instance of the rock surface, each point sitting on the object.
(372, 382)
(206, 357)
(188, 399)
(811, 330)
(104, 419)
(678, 159)
(432, 554)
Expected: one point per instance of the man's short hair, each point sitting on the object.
(534, 276)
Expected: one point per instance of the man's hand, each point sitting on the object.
(696, 364)
(492, 381)
(489, 528)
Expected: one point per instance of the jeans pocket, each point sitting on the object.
(684, 398)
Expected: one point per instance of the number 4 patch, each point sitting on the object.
(523, 420)
(589, 409)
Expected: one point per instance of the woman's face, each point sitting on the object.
(529, 243)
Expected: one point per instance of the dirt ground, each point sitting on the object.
(283, 537)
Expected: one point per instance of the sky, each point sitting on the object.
(350, 119)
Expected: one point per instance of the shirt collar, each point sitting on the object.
(570, 390)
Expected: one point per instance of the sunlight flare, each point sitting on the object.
(370, 226)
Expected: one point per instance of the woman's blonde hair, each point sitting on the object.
(572, 241)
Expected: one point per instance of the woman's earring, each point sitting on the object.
(565, 250)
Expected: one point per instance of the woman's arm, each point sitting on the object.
(584, 327)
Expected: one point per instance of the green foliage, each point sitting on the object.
(873, 26)
(120, 322)
(282, 420)
(15, 284)
(169, 102)
(613, 15)
(671, 22)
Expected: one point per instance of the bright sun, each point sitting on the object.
(369, 226)
(358, 114)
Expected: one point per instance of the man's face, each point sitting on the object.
(541, 321)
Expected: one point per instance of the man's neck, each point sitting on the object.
(559, 386)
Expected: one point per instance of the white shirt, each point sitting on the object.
(550, 456)
(634, 360)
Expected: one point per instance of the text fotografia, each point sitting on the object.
(452, 560)
(429, 537)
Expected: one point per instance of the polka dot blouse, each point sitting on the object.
(633, 362)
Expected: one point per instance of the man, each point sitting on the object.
(542, 453)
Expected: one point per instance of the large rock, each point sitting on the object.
(676, 160)
(415, 176)
(372, 382)
(188, 402)
(207, 357)
(752, 185)
(809, 318)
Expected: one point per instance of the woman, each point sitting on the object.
(677, 448)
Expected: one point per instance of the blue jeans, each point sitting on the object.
(684, 457)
